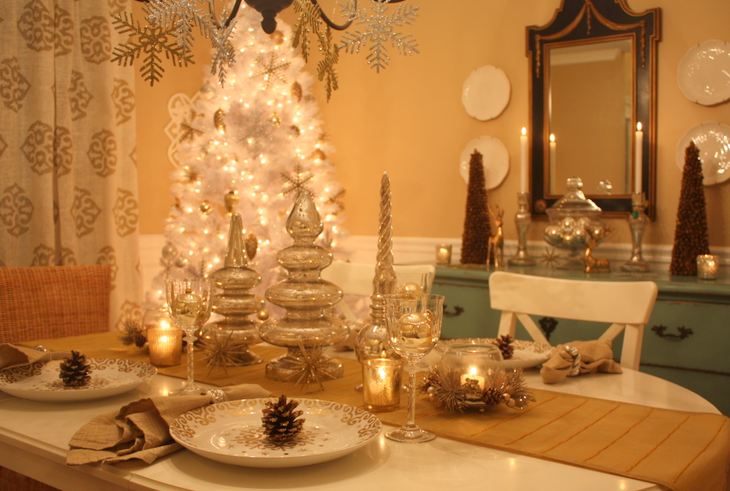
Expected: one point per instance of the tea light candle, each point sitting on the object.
(165, 345)
(472, 373)
(381, 384)
(707, 266)
(443, 254)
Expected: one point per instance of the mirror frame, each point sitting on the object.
(589, 21)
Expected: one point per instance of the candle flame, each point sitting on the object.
(524, 131)
(473, 370)
(552, 137)
(639, 127)
(164, 324)
(382, 373)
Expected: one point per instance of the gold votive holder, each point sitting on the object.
(165, 346)
(381, 382)
(443, 254)
(707, 266)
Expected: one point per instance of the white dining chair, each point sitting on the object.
(625, 305)
(357, 279)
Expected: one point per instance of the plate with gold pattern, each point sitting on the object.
(526, 354)
(40, 381)
(231, 432)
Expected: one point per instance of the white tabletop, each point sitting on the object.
(34, 437)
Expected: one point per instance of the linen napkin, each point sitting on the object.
(140, 430)
(15, 356)
(577, 358)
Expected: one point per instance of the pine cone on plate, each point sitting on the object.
(75, 370)
(504, 343)
(281, 420)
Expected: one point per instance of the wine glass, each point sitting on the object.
(414, 328)
(188, 301)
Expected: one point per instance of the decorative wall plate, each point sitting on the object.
(485, 93)
(495, 158)
(40, 381)
(526, 354)
(703, 73)
(231, 432)
(713, 140)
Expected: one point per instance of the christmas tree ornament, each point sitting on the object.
(476, 222)
(277, 37)
(504, 343)
(75, 371)
(235, 301)
(318, 154)
(296, 181)
(690, 233)
(231, 200)
(219, 120)
(275, 120)
(296, 91)
(251, 244)
(295, 130)
(307, 299)
(205, 207)
(281, 420)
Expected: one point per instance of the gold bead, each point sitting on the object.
(262, 314)
(411, 290)
(205, 207)
(277, 37)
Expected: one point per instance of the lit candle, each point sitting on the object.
(553, 149)
(472, 373)
(443, 254)
(165, 345)
(638, 161)
(381, 384)
(524, 171)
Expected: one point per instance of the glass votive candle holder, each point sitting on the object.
(707, 266)
(165, 346)
(443, 254)
(473, 363)
(381, 383)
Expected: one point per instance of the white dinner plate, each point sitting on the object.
(231, 432)
(526, 354)
(703, 73)
(40, 381)
(495, 159)
(713, 140)
(485, 93)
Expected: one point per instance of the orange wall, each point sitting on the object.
(409, 119)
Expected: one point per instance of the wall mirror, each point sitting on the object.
(593, 78)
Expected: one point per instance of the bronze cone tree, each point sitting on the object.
(690, 234)
(476, 223)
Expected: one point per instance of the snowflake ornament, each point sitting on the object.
(378, 29)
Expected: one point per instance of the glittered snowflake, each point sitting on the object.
(271, 69)
(296, 181)
(377, 27)
(309, 21)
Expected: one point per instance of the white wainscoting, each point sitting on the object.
(362, 248)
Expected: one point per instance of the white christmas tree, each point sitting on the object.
(248, 146)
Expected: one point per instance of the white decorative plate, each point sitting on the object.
(526, 354)
(713, 140)
(494, 157)
(485, 93)
(231, 432)
(40, 381)
(703, 73)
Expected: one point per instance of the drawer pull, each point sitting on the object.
(455, 313)
(682, 332)
(548, 325)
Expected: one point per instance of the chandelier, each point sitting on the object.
(170, 24)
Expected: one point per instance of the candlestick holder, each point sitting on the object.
(522, 223)
(637, 222)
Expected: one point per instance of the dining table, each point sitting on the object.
(34, 440)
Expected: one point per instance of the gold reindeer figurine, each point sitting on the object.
(593, 264)
(495, 246)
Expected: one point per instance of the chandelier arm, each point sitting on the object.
(234, 12)
(330, 22)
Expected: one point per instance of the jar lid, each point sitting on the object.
(574, 202)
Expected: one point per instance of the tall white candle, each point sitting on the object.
(553, 149)
(524, 157)
(638, 148)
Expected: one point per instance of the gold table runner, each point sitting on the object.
(677, 449)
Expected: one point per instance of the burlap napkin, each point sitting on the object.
(140, 430)
(577, 358)
(14, 356)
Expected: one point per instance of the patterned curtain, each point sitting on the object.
(68, 177)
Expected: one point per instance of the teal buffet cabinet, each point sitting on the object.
(686, 341)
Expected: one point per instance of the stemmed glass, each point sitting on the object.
(188, 301)
(414, 328)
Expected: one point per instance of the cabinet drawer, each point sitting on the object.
(711, 386)
(706, 347)
(467, 313)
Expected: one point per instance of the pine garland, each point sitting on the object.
(476, 223)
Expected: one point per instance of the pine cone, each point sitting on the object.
(133, 334)
(280, 421)
(75, 370)
(492, 396)
(504, 343)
